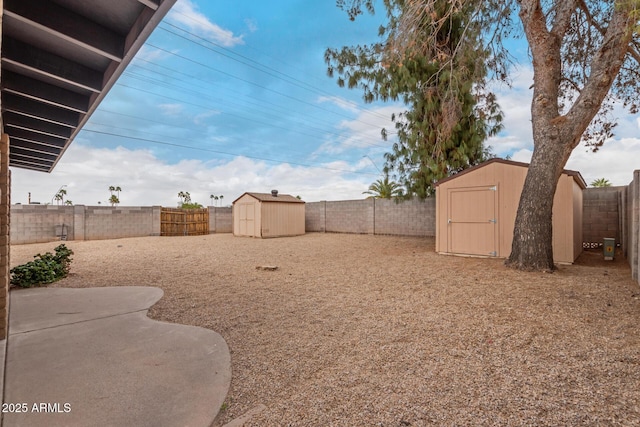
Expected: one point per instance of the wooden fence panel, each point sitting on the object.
(184, 222)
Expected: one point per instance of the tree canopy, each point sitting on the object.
(449, 115)
(600, 182)
(383, 188)
(585, 56)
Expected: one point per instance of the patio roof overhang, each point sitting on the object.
(59, 60)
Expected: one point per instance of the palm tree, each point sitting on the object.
(118, 189)
(212, 197)
(68, 203)
(600, 182)
(114, 200)
(60, 196)
(384, 189)
(221, 197)
(184, 197)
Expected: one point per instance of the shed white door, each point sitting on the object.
(246, 219)
(472, 221)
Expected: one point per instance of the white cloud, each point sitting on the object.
(515, 102)
(171, 109)
(202, 117)
(363, 131)
(186, 14)
(340, 102)
(145, 180)
(251, 24)
(616, 160)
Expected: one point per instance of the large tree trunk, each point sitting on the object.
(533, 233)
(556, 135)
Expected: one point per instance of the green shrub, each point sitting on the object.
(44, 269)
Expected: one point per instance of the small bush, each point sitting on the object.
(44, 269)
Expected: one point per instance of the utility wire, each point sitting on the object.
(288, 129)
(292, 80)
(284, 95)
(208, 150)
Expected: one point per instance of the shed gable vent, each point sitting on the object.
(274, 193)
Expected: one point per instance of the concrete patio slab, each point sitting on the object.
(78, 357)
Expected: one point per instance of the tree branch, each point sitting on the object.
(605, 65)
(562, 19)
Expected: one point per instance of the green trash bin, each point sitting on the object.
(609, 248)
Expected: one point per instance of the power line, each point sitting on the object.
(292, 80)
(293, 98)
(208, 150)
(289, 129)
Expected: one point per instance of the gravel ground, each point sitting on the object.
(357, 330)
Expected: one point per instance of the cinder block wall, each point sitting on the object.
(601, 215)
(314, 216)
(633, 225)
(407, 218)
(42, 223)
(37, 223)
(350, 216)
(372, 216)
(102, 222)
(220, 220)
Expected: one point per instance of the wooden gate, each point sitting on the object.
(184, 222)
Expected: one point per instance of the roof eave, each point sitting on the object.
(135, 42)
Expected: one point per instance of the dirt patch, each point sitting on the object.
(378, 330)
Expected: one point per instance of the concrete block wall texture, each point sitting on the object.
(372, 216)
(602, 214)
(350, 216)
(633, 201)
(40, 223)
(314, 216)
(102, 222)
(407, 218)
(220, 220)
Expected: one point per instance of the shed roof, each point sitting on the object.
(575, 174)
(268, 197)
(59, 60)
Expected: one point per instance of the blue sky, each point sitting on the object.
(228, 97)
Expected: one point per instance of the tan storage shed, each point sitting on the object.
(268, 215)
(476, 211)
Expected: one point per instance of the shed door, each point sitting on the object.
(246, 219)
(472, 221)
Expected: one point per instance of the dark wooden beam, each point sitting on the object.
(151, 4)
(29, 165)
(25, 136)
(44, 92)
(39, 126)
(59, 22)
(38, 148)
(33, 60)
(30, 108)
(21, 153)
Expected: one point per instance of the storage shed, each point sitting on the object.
(268, 215)
(476, 211)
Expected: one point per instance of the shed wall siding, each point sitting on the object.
(509, 180)
(282, 219)
(255, 218)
